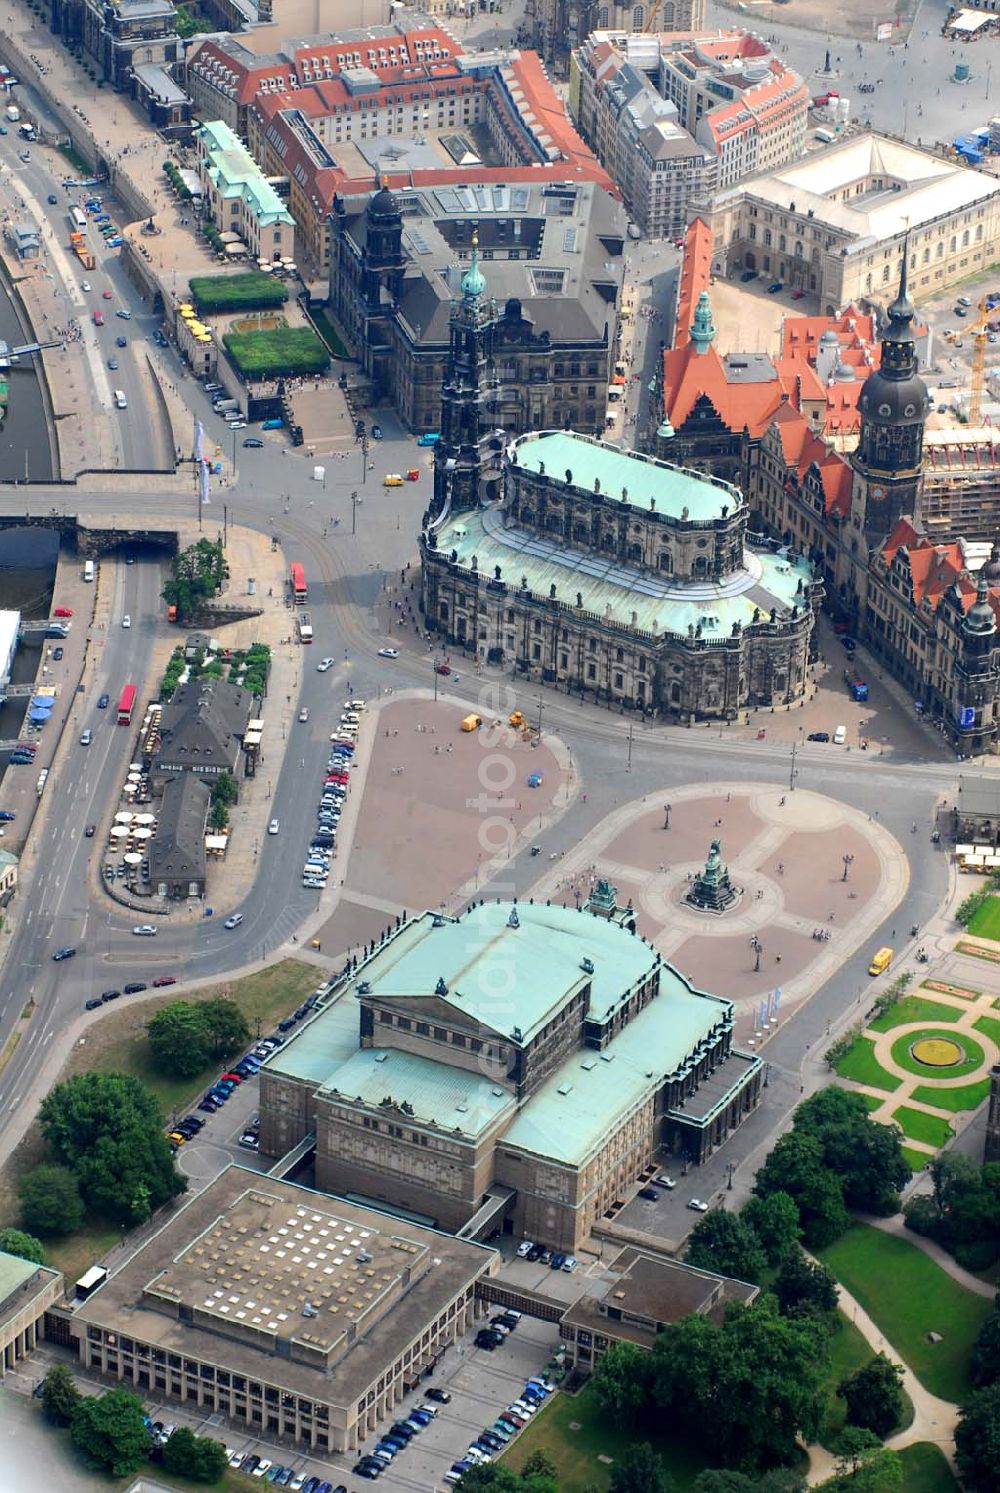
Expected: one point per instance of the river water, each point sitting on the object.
(24, 438)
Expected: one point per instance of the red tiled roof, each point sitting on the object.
(933, 566)
(696, 275)
(688, 375)
(755, 106)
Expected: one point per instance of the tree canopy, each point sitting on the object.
(963, 1212)
(748, 1388)
(110, 1431)
(977, 1440)
(867, 1156)
(639, 1470)
(60, 1395)
(196, 575)
(726, 1243)
(621, 1381)
(775, 1221)
(107, 1128)
(185, 1036)
(196, 1457)
(16, 1242)
(796, 1167)
(50, 1200)
(873, 1395)
(805, 1286)
(533, 1478)
(986, 1353)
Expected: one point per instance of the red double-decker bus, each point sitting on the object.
(126, 703)
(299, 589)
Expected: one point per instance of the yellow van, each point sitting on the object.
(881, 961)
(392, 479)
(472, 723)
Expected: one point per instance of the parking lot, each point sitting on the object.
(481, 1385)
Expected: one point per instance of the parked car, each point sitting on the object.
(63, 612)
(697, 1206)
(649, 1193)
(252, 443)
(162, 980)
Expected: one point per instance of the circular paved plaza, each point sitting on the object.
(814, 878)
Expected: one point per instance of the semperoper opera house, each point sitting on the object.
(515, 1069)
(599, 570)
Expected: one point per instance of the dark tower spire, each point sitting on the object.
(468, 395)
(893, 405)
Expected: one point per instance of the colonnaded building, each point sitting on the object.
(601, 570)
(517, 1068)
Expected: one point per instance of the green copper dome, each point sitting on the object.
(474, 281)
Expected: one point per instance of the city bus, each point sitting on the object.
(305, 628)
(78, 218)
(299, 589)
(126, 703)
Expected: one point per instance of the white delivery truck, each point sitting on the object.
(88, 570)
(13, 113)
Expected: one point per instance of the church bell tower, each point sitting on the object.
(468, 396)
(893, 406)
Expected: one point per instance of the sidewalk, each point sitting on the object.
(948, 1263)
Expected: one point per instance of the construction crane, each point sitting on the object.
(654, 11)
(978, 379)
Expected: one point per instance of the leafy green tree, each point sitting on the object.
(110, 1431)
(60, 1395)
(621, 1382)
(796, 1166)
(977, 1440)
(803, 1286)
(225, 789)
(179, 1040)
(748, 1389)
(724, 1242)
(25, 1246)
(865, 1155)
(775, 1221)
(728, 1480)
(539, 1464)
(50, 1200)
(196, 1457)
(876, 1470)
(986, 1353)
(218, 818)
(639, 1470)
(499, 1479)
(225, 1026)
(107, 1128)
(873, 1395)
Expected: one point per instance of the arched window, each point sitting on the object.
(886, 272)
(666, 561)
(602, 18)
(668, 15)
(798, 248)
(638, 18)
(965, 239)
(781, 243)
(979, 232)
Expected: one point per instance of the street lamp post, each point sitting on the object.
(364, 457)
(354, 513)
(731, 1167)
(848, 863)
(666, 815)
(758, 949)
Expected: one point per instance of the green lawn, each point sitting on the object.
(919, 1125)
(974, 1055)
(962, 1096)
(915, 1160)
(284, 351)
(859, 1063)
(985, 923)
(328, 332)
(914, 1008)
(575, 1453)
(116, 1043)
(907, 1295)
(989, 1026)
(925, 1469)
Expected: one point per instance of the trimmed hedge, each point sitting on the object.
(283, 351)
(248, 291)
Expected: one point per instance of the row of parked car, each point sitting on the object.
(491, 1441)
(282, 1477)
(398, 1437)
(538, 1254)
(331, 802)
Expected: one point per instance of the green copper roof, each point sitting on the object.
(14, 1272)
(673, 488)
(322, 1043)
(510, 977)
(451, 1098)
(574, 1111)
(615, 593)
